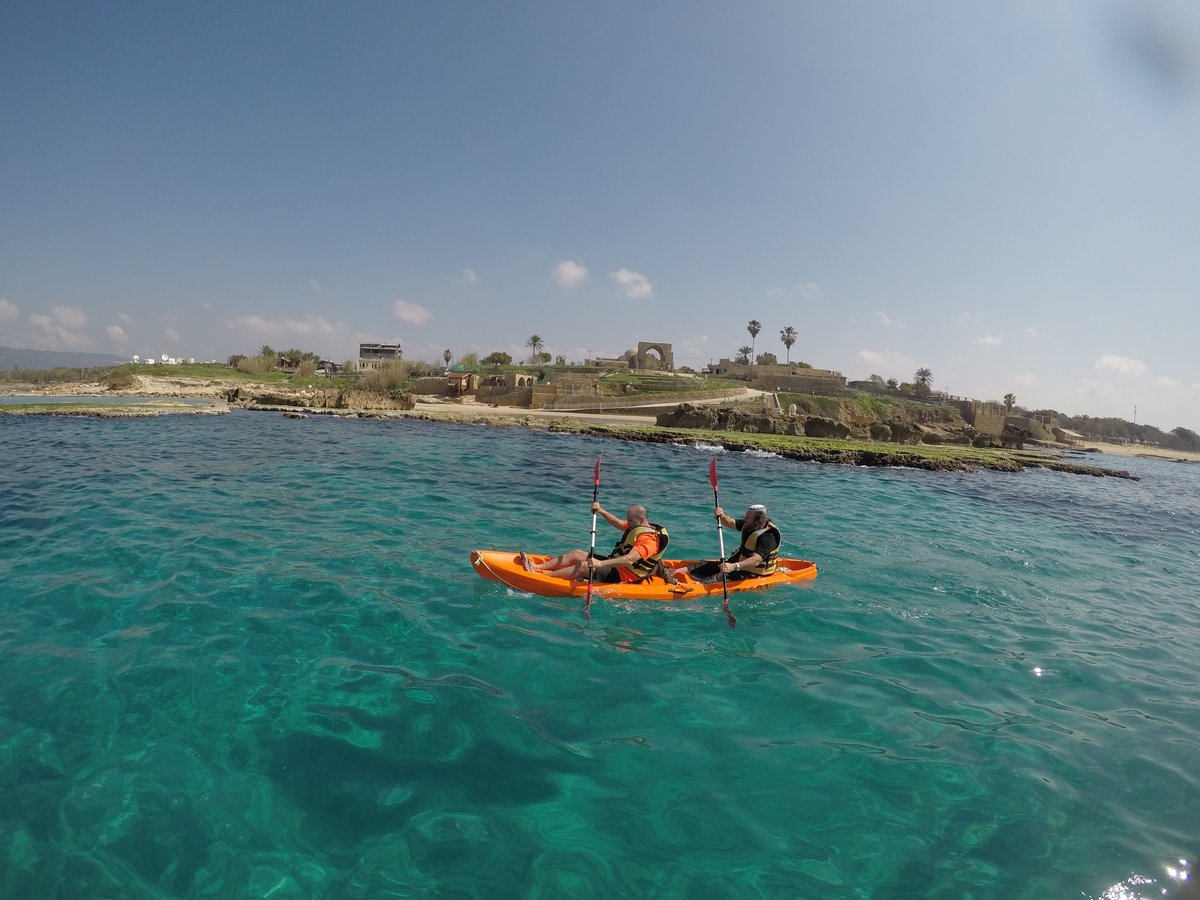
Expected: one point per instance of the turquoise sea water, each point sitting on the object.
(247, 656)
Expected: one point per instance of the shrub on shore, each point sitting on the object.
(119, 379)
(256, 365)
(386, 378)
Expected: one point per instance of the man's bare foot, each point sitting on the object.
(525, 563)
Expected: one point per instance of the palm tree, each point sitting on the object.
(1010, 400)
(754, 327)
(447, 356)
(743, 356)
(788, 336)
(266, 350)
(922, 379)
(535, 345)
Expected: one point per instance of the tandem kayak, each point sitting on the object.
(505, 567)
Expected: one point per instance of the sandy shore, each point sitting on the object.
(1141, 450)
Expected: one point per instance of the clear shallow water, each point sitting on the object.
(220, 674)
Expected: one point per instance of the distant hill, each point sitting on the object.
(12, 357)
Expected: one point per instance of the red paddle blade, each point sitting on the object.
(712, 472)
(597, 474)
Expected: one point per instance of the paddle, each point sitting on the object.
(712, 476)
(587, 605)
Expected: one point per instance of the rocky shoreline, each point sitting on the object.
(943, 458)
(803, 438)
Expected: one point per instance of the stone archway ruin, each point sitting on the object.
(655, 355)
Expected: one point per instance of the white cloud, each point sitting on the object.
(887, 321)
(309, 326)
(117, 334)
(1031, 334)
(314, 285)
(70, 317)
(1025, 378)
(8, 311)
(809, 290)
(52, 333)
(1123, 365)
(468, 276)
(989, 340)
(125, 320)
(636, 285)
(1165, 382)
(172, 335)
(569, 273)
(411, 313)
(891, 360)
(1099, 391)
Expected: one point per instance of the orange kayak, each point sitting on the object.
(505, 567)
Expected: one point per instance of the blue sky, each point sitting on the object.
(1006, 193)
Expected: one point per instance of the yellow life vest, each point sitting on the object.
(766, 566)
(643, 568)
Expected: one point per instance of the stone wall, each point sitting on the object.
(986, 418)
(804, 381)
(503, 395)
(430, 384)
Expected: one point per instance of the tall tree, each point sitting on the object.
(788, 336)
(447, 356)
(922, 380)
(743, 356)
(754, 327)
(266, 350)
(1187, 437)
(535, 345)
(1010, 400)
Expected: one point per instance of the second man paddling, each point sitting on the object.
(755, 556)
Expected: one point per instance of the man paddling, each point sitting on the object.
(634, 558)
(756, 555)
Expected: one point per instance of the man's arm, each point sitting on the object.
(608, 517)
(643, 548)
(767, 542)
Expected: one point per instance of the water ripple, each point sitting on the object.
(248, 655)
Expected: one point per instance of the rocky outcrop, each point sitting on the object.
(820, 427)
(852, 456)
(712, 418)
(320, 399)
(1013, 437)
